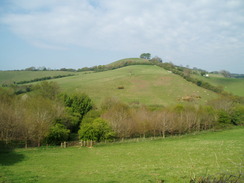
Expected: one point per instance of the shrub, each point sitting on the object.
(121, 87)
(223, 117)
(58, 133)
(97, 130)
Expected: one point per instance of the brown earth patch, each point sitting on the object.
(140, 84)
(163, 81)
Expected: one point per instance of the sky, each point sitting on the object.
(207, 34)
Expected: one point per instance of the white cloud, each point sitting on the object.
(170, 28)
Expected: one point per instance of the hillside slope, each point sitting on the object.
(17, 76)
(144, 84)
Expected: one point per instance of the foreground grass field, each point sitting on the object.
(174, 159)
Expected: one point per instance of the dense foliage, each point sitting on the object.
(41, 115)
(44, 115)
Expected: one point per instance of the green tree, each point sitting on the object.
(97, 130)
(224, 117)
(78, 105)
(57, 134)
(145, 55)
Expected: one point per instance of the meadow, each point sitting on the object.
(173, 159)
(144, 84)
(16, 76)
(232, 85)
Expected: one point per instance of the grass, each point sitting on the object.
(232, 85)
(146, 84)
(142, 84)
(11, 76)
(174, 159)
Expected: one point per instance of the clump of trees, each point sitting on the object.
(145, 55)
(41, 116)
(129, 122)
(142, 122)
(28, 118)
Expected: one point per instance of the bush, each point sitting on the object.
(223, 117)
(121, 87)
(97, 130)
(58, 133)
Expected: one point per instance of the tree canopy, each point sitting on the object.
(145, 55)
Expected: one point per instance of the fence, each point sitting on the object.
(91, 143)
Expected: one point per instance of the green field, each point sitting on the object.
(232, 85)
(143, 84)
(146, 84)
(16, 76)
(174, 159)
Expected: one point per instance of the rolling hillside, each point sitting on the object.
(135, 84)
(144, 84)
(16, 76)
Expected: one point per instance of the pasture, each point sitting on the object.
(16, 76)
(144, 84)
(173, 159)
(232, 85)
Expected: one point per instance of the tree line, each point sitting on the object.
(43, 115)
(119, 120)
(47, 116)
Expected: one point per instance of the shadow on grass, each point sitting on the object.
(8, 156)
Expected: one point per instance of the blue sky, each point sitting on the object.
(207, 34)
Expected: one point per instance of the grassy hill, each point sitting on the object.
(174, 159)
(16, 76)
(139, 84)
(232, 85)
(146, 84)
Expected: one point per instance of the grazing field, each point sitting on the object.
(232, 85)
(16, 76)
(174, 159)
(144, 84)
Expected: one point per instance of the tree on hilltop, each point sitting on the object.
(156, 59)
(145, 55)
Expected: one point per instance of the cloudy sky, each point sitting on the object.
(207, 34)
